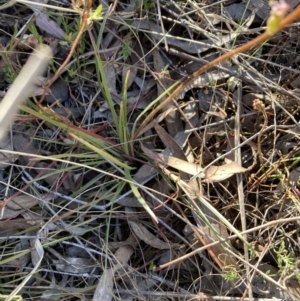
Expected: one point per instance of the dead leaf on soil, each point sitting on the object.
(143, 234)
(44, 22)
(22, 201)
(74, 265)
(22, 143)
(169, 142)
(260, 7)
(146, 172)
(11, 227)
(211, 174)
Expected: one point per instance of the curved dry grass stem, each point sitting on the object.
(258, 40)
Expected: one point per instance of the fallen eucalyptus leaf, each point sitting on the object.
(211, 174)
(223, 172)
(43, 21)
(144, 234)
(23, 201)
(75, 265)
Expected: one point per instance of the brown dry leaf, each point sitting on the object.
(223, 172)
(218, 253)
(20, 205)
(22, 201)
(10, 227)
(175, 147)
(146, 172)
(160, 188)
(44, 22)
(104, 290)
(23, 143)
(8, 213)
(187, 167)
(211, 174)
(144, 84)
(172, 145)
(143, 234)
(75, 265)
(169, 142)
(58, 91)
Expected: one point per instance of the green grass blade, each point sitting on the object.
(139, 197)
